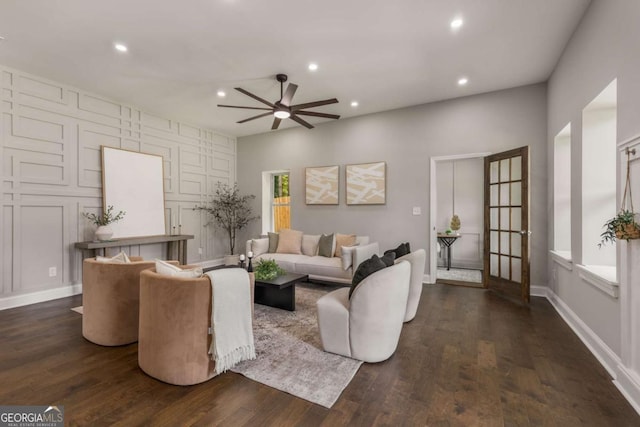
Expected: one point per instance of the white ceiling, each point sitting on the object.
(384, 54)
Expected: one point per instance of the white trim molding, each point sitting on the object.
(563, 259)
(14, 301)
(595, 276)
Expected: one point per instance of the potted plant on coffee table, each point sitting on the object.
(231, 212)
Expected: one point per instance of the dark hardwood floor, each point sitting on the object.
(469, 358)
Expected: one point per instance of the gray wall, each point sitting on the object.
(604, 47)
(405, 139)
(50, 138)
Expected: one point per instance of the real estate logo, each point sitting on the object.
(31, 416)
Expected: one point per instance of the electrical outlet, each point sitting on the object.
(417, 210)
(199, 251)
(52, 272)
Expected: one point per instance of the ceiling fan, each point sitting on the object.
(283, 109)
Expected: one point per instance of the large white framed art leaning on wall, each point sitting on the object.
(134, 182)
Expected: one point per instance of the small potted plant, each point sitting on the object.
(268, 269)
(455, 223)
(621, 226)
(104, 231)
(231, 212)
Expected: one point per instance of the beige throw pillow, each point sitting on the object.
(344, 240)
(121, 258)
(289, 242)
(166, 269)
(259, 246)
(347, 256)
(310, 244)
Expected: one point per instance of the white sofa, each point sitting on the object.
(318, 267)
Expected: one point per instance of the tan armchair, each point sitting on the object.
(110, 295)
(175, 317)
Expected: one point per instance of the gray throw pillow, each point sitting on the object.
(365, 269)
(273, 242)
(389, 258)
(325, 246)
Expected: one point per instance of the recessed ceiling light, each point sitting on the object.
(313, 66)
(354, 103)
(456, 23)
(463, 81)
(1, 38)
(120, 47)
(222, 93)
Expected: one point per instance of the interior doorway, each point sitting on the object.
(456, 215)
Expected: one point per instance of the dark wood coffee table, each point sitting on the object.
(279, 292)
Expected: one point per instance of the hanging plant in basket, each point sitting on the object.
(624, 225)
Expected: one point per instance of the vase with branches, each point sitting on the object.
(104, 231)
(229, 211)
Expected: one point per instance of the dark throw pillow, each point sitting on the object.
(389, 258)
(401, 250)
(273, 242)
(325, 245)
(366, 268)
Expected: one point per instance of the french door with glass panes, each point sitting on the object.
(506, 223)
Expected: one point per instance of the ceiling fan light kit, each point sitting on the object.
(283, 109)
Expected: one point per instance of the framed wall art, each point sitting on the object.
(321, 185)
(366, 184)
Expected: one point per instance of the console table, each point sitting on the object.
(447, 240)
(176, 244)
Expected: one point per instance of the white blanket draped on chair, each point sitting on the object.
(231, 321)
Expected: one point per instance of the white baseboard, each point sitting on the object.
(40, 296)
(427, 279)
(538, 291)
(625, 380)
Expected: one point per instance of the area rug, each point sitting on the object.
(289, 352)
(77, 309)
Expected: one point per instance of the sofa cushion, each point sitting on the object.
(344, 240)
(322, 266)
(401, 250)
(310, 244)
(362, 240)
(326, 245)
(259, 246)
(347, 256)
(273, 242)
(166, 269)
(289, 242)
(365, 269)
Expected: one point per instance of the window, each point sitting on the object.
(276, 210)
(599, 176)
(562, 193)
(280, 202)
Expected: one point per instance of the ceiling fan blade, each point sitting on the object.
(288, 94)
(302, 122)
(256, 117)
(276, 123)
(313, 104)
(314, 114)
(257, 98)
(248, 108)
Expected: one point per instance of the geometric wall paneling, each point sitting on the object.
(50, 139)
(41, 89)
(40, 237)
(150, 121)
(100, 106)
(224, 143)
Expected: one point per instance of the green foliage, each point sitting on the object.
(617, 224)
(267, 269)
(230, 211)
(106, 218)
(281, 186)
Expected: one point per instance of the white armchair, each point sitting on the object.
(366, 327)
(417, 259)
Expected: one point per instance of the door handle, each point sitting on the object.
(523, 232)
